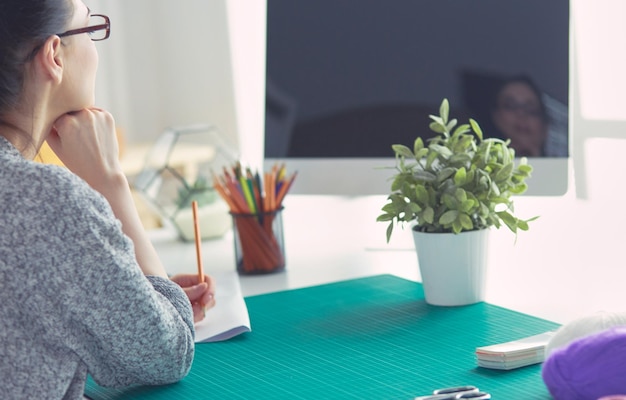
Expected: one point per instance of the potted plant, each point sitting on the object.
(452, 190)
(213, 215)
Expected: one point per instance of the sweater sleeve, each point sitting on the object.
(93, 299)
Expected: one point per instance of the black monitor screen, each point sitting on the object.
(349, 78)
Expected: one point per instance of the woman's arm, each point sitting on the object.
(87, 144)
(87, 293)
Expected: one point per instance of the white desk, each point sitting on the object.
(566, 266)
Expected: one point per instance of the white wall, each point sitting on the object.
(167, 63)
(599, 115)
(247, 38)
(600, 35)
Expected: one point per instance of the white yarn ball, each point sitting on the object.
(584, 326)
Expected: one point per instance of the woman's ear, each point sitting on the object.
(50, 58)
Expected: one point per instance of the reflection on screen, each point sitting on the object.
(350, 78)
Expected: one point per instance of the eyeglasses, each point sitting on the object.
(526, 109)
(99, 28)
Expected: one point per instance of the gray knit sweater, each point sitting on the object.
(72, 297)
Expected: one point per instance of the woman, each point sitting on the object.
(518, 114)
(83, 290)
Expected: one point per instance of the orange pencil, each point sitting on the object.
(223, 193)
(272, 195)
(196, 228)
(267, 203)
(284, 189)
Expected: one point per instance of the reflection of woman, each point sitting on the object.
(519, 114)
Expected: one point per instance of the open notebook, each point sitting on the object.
(229, 317)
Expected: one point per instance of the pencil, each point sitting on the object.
(284, 189)
(196, 228)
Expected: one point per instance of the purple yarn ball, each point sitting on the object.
(588, 368)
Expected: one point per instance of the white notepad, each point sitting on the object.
(514, 354)
(230, 316)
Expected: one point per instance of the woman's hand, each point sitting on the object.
(201, 296)
(86, 142)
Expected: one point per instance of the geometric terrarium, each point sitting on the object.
(178, 169)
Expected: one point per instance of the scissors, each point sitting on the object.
(455, 393)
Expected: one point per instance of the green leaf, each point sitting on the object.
(445, 174)
(463, 128)
(385, 217)
(432, 156)
(389, 208)
(470, 177)
(448, 217)
(504, 173)
(402, 150)
(457, 227)
(437, 127)
(467, 205)
(508, 156)
(460, 159)
(397, 200)
(508, 220)
(441, 150)
(519, 189)
(495, 188)
(444, 110)
(421, 194)
(421, 153)
(424, 176)
(476, 128)
(466, 222)
(450, 125)
(428, 215)
(397, 183)
(460, 176)
(463, 145)
(437, 119)
(460, 195)
(525, 168)
(418, 145)
(414, 208)
(487, 150)
(389, 231)
(448, 200)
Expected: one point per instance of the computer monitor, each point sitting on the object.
(346, 79)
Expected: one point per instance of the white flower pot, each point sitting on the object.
(452, 266)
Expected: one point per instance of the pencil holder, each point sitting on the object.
(259, 242)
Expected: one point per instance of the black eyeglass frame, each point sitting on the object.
(90, 29)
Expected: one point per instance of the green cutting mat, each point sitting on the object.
(368, 338)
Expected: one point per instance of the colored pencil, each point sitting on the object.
(254, 200)
(196, 226)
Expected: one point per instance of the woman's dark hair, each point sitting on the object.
(24, 26)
